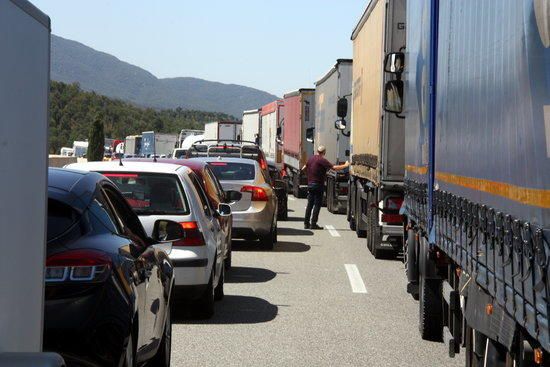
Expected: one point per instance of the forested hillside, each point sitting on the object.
(72, 111)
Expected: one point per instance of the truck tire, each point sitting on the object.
(296, 185)
(361, 233)
(431, 309)
(411, 261)
(351, 207)
(474, 353)
(329, 196)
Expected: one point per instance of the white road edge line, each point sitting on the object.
(357, 285)
(333, 232)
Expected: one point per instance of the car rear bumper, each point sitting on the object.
(191, 265)
(253, 222)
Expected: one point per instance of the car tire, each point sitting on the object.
(163, 355)
(268, 241)
(218, 292)
(204, 307)
(431, 309)
(228, 260)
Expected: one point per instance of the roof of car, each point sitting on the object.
(227, 159)
(128, 166)
(75, 188)
(194, 164)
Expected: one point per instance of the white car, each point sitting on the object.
(171, 191)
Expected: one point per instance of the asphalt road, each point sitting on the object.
(295, 306)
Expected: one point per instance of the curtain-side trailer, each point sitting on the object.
(271, 118)
(299, 116)
(336, 84)
(477, 183)
(377, 137)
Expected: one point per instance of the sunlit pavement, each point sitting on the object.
(318, 299)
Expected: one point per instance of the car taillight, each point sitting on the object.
(263, 164)
(192, 235)
(258, 193)
(77, 266)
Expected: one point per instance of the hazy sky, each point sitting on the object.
(273, 45)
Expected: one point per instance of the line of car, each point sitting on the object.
(131, 240)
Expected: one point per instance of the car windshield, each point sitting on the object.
(61, 218)
(151, 193)
(232, 171)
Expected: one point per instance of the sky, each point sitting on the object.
(272, 45)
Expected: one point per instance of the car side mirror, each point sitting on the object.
(224, 210)
(340, 124)
(393, 96)
(309, 134)
(394, 62)
(342, 108)
(167, 231)
(232, 196)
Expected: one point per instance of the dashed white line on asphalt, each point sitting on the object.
(333, 232)
(357, 285)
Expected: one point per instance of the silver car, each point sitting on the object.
(255, 214)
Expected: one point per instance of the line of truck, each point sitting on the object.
(444, 113)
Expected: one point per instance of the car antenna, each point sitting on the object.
(154, 152)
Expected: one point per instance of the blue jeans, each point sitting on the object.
(314, 202)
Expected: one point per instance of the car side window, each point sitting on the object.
(202, 195)
(213, 186)
(102, 217)
(130, 222)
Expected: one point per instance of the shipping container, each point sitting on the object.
(24, 93)
(299, 118)
(377, 136)
(333, 86)
(251, 125)
(477, 181)
(223, 130)
(271, 118)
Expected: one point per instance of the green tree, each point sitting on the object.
(96, 140)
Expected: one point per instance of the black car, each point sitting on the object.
(280, 188)
(108, 285)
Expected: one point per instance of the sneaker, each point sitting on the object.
(315, 226)
(306, 225)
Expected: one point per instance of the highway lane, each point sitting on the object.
(318, 299)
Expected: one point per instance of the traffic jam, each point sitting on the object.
(396, 213)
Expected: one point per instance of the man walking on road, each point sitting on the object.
(317, 167)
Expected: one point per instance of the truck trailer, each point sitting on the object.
(223, 130)
(271, 118)
(299, 117)
(377, 136)
(251, 125)
(157, 144)
(477, 179)
(336, 84)
(132, 146)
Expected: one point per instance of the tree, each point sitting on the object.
(96, 140)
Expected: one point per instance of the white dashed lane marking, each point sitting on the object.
(333, 232)
(357, 285)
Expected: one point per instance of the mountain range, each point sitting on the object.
(107, 75)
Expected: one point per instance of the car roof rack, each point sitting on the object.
(230, 148)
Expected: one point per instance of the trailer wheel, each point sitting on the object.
(351, 207)
(411, 261)
(431, 309)
(475, 347)
(361, 233)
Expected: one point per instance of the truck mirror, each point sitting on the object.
(342, 108)
(393, 96)
(309, 134)
(340, 124)
(394, 63)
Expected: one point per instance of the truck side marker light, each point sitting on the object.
(489, 309)
(537, 354)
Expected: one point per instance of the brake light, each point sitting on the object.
(218, 164)
(77, 265)
(193, 235)
(258, 193)
(121, 175)
(263, 164)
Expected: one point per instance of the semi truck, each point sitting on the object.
(271, 117)
(132, 146)
(184, 133)
(223, 130)
(24, 116)
(157, 144)
(477, 198)
(377, 137)
(251, 125)
(334, 85)
(299, 119)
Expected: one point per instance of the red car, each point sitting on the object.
(213, 191)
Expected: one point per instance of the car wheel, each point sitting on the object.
(204, 308)
(218, 292)
(162, 358)
(227, 261)
(268, 241)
